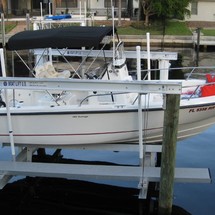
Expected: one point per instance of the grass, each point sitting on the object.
(208, 32)
(10, 26)
(177, 28)
(131, 30)
(138, 28)
(172, 28)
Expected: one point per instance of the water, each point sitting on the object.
(197, 152)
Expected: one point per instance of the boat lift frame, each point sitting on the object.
(23, 165)
(17, 167)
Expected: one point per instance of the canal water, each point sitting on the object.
(196, 152)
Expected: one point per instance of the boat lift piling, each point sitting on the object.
(171, 116)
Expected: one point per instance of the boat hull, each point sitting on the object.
(83, 126)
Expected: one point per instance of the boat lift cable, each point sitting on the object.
(146, 120)
(142, 125)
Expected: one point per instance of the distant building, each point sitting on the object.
(98, 7)
(202, 10)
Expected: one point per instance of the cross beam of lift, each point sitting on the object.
(24, 167)
(86, 172)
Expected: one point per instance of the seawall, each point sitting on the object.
(168, 41)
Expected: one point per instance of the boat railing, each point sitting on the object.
(100, 95)
(193, 71)
(198, 91)
(191, 88)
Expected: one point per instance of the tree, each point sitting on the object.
(172, 8)
(164, 8)
(148, 9)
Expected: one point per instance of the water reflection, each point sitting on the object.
(197, 152)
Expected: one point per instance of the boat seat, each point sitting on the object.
(47, 70)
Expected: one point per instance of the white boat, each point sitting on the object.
(67, 117)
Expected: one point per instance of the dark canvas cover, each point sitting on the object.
(63, 37)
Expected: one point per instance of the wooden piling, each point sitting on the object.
(3, 30)
(198, 45)
(171, 115)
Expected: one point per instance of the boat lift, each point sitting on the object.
(23, 165)
(145, 172)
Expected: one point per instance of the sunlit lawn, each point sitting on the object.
(208, 32)
(9, 26)
(177, 28)
(172, 28)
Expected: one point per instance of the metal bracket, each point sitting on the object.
(143, 186)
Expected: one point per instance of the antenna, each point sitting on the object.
(41, 10)
(112, 7)
(148, 55)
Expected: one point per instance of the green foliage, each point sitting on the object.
(165, 8)
(170, 8)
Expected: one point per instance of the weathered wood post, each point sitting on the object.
(28, 21)
(198, 31)
(171, 115)
(3, 30)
